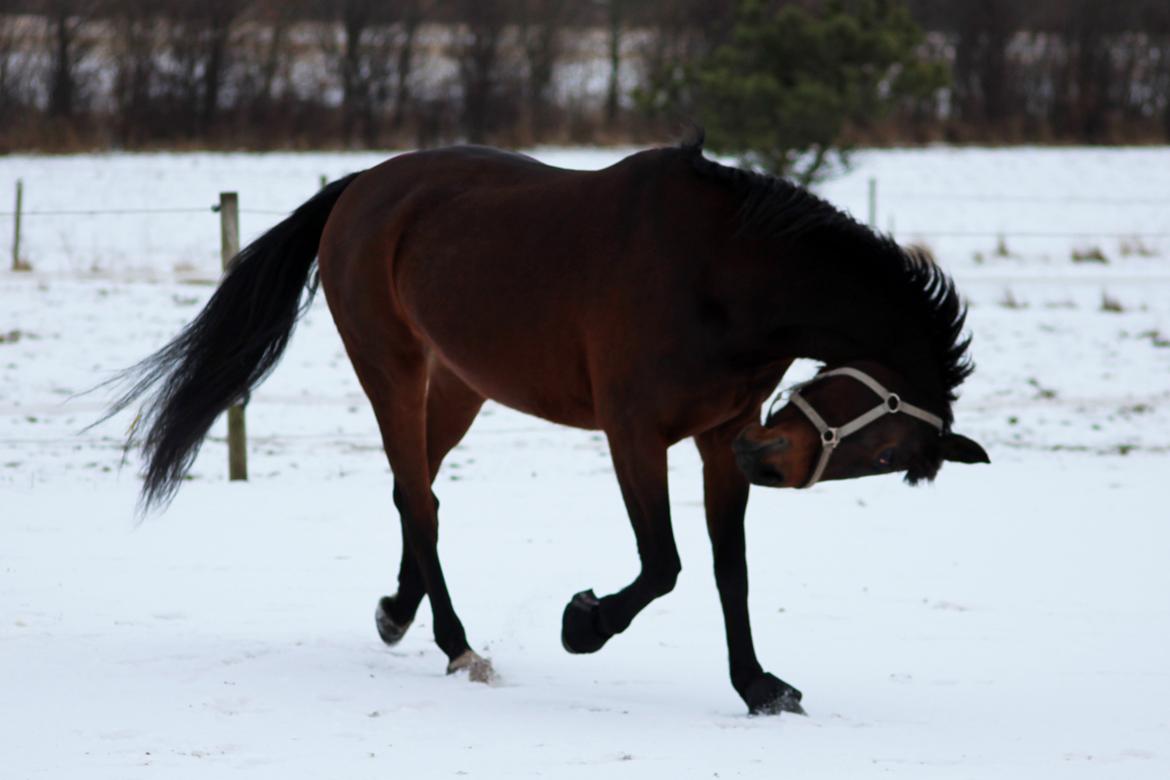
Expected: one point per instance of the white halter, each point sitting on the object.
(831, 437)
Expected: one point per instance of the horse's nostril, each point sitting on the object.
(741, 446)
(770, 474)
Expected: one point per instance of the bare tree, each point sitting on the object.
(67, 49)
(682, 32)
(615, 21)
(409, 21)
(981, 71)
(194, 54)
(369, 45)
(16, 73)
(1084, 94)
(262, 59)
(218, 17)
(134, 51)
(542, 23)
(478, 55)
(228, 71)
(1155, 20)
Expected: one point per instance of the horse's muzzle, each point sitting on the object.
(752, 459)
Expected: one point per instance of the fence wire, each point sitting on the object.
(892, 195)
(123, 212)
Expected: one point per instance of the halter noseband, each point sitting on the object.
(831, 437)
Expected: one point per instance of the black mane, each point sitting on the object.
(774, 208)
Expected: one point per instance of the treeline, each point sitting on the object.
(365, 73)
(1088, 71)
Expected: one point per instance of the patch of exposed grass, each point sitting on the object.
(1156, 338)
(1089, 254)
(1009, 300)
(1136, 247)
(1046, 393)
(1110, 304)
(1001, 247)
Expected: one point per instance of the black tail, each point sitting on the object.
(228, 349)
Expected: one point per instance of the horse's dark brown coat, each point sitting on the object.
(627, 300)
(659, 299)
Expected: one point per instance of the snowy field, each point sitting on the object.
(1010, 621)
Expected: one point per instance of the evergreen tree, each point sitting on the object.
(781, 93)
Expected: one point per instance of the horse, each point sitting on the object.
(659, 299)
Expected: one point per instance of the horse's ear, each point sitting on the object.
(960, 449)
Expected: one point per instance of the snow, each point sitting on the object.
(1007, 621)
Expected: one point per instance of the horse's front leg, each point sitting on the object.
(725, 492)
(640, 463)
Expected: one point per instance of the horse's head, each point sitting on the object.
(851, 421)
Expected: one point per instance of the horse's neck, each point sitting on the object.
(829, 314)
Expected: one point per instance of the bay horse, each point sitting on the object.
(659, 299)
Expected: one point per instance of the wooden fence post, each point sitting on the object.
(229, 233)
(16, 264)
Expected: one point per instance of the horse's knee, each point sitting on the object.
(663, 578)
(400, 503)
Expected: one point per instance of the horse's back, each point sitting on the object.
(499, 263)
(417, 193)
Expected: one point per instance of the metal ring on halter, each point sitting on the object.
(893, 402)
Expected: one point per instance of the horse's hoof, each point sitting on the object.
(769, 695)
(581, 629)
(478, 669)
(390, 631)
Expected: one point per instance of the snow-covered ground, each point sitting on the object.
(1008, 621)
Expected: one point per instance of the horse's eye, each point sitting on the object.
(885, 458)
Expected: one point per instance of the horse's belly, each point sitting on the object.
(523, 356)
(545, 389)
(577, 413)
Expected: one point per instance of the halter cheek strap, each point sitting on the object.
(831, 437)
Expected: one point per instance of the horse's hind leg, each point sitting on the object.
(451, 408)
(396, 384)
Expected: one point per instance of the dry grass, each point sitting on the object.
(1090, 254)
(1001, 247)
(1135, 247)
(1110, 304)
(1009, 300)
